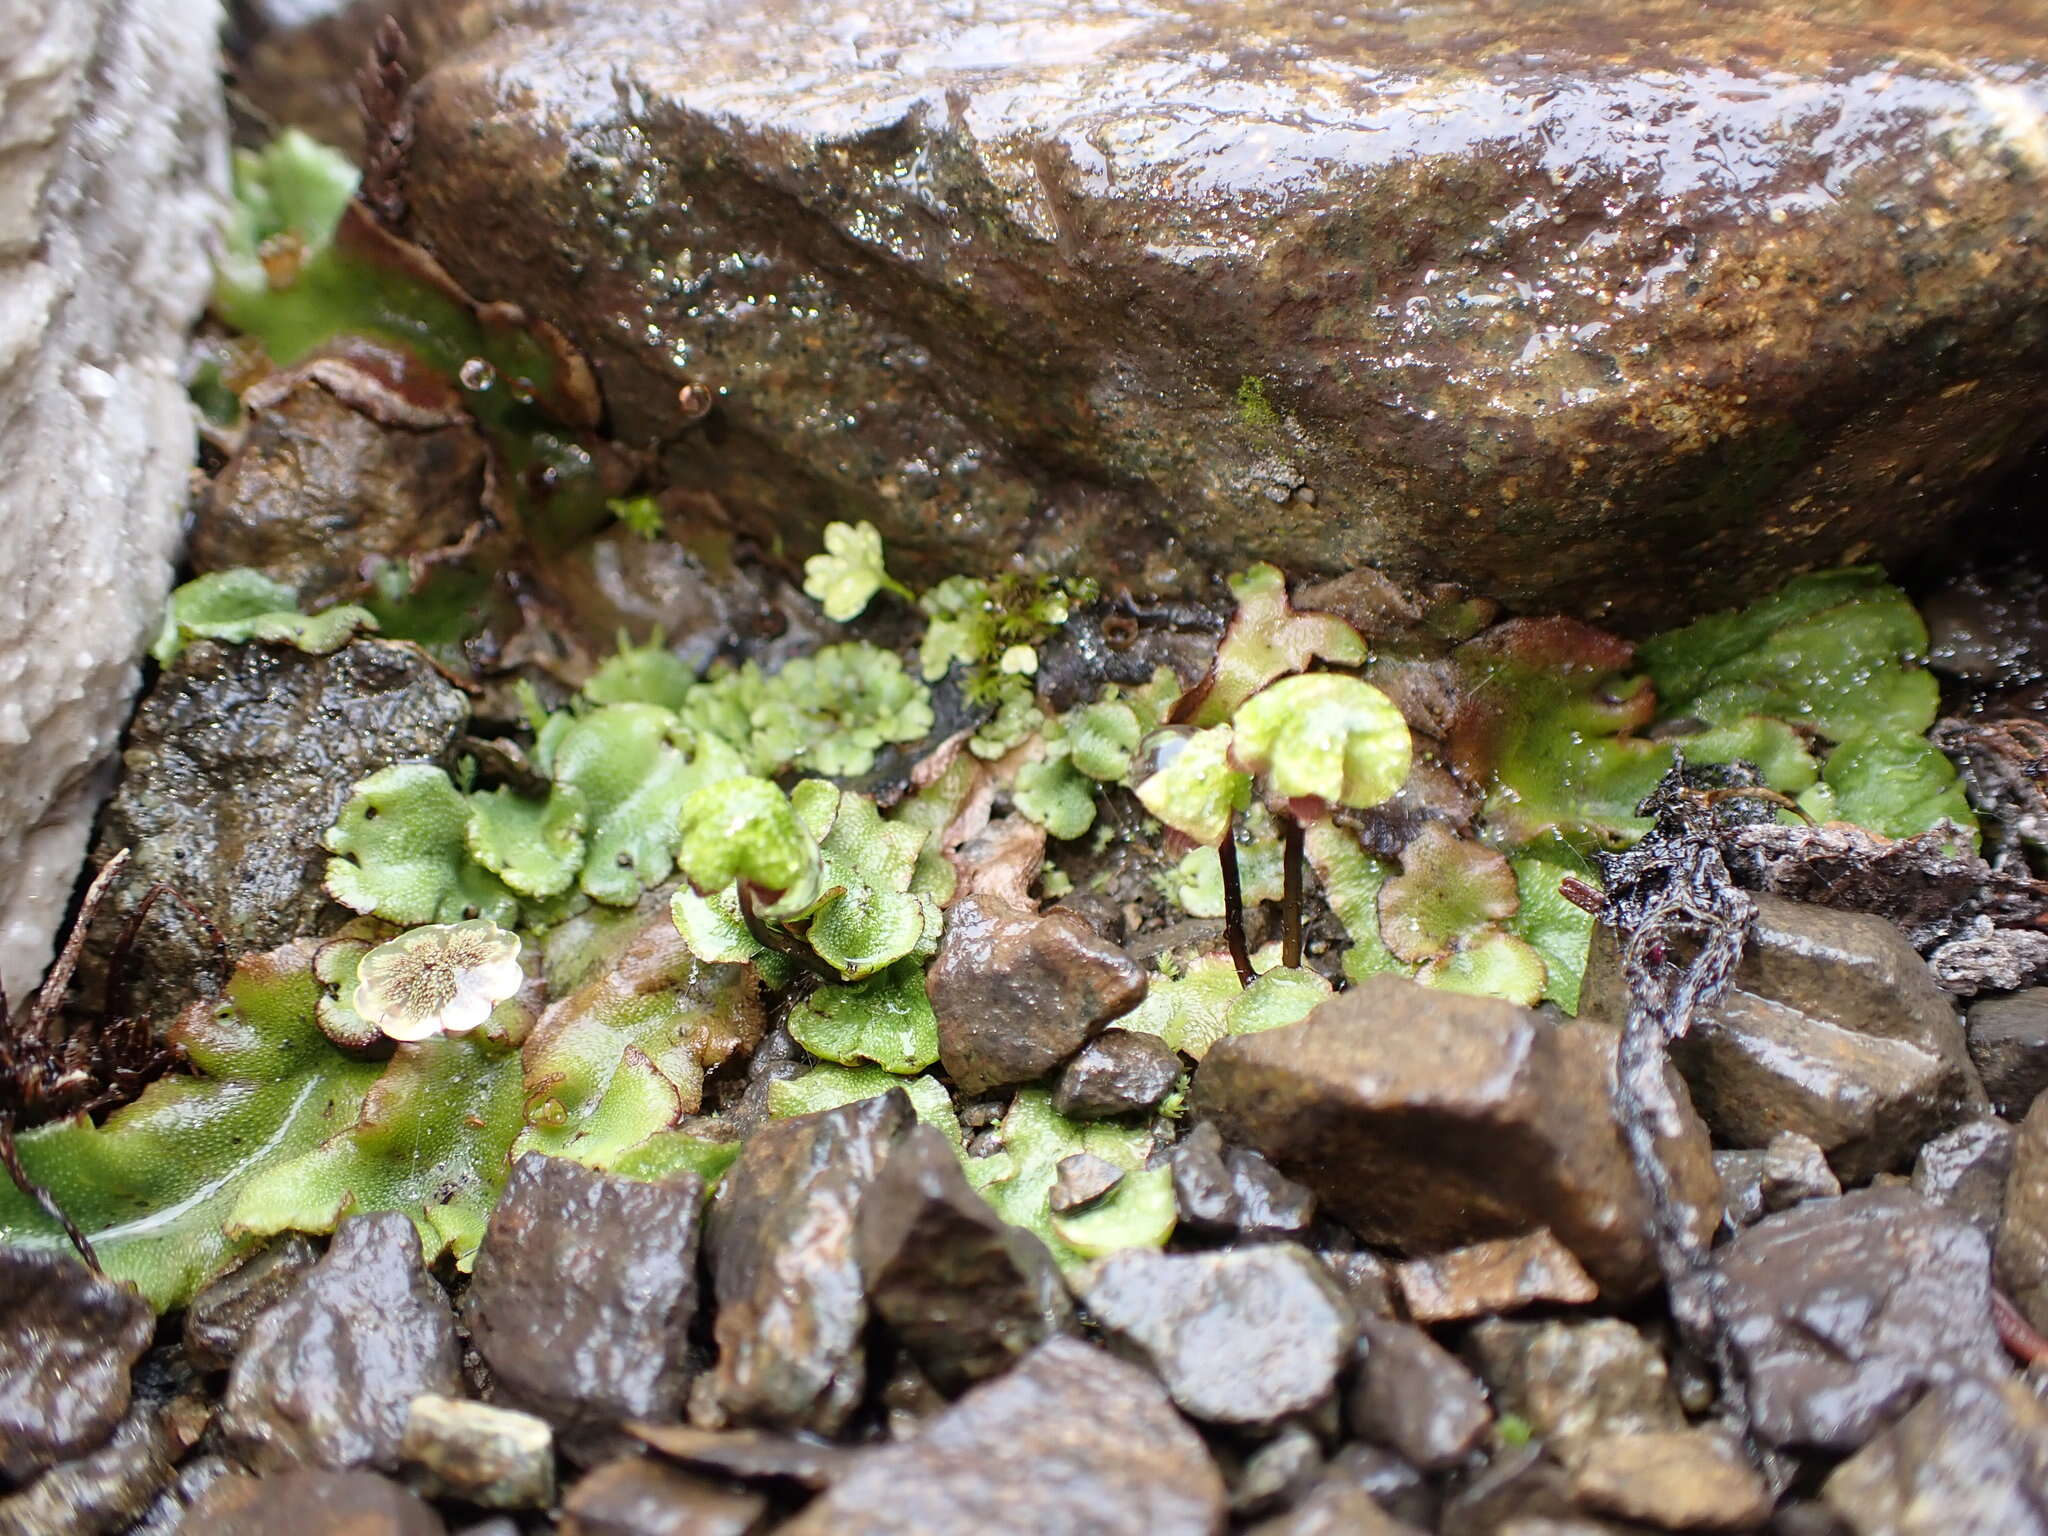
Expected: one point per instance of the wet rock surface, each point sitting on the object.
(965, 1292)
(1575, 1382)
(326, 484)
(238, 760)
(1187, 318)
(1841, 1313)
(1017, 992)
(1677, 1480)
(68, 1342)
(1070, 1441)
(109, 1488)
(226, 1308)
(1755, 1183)
(496, 1458)
(791, 1304)
(1835, 1030)
(313, 1503)
(1973, 1456)
(1966, 1170)
(1426, 1120)
(327, 1376)
(1412, 1396)
(2021, 1250)
(1119, 1072)
(634, 1497)
(2008, 1039)
(1081, 1180)
(584, 1292)
(1485, 1279)
(751, 1455)
(1243, 1337)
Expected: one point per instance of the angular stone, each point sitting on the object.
(1425, 1120)
(1081, 1180)
(1495, 395)
(1676, 1480)
(1966, 1170)
(220, 1316)
(637, 1497)
(1483, 1279)
(327, 1376)
(1278, 1473)
(1018, 992)
(1755, 1183)
(584, 1292)
(965, 1292)
(1071, 1440)
(1268, 1203)
(2008, 1038)
(238, 760)
(1972, 1456)
(2020, 1254)
(109, 1489)
(1575, 1382)
(1413, 1396)
(1835, 1029)
(114, 141)
(312, 1503)
(791, 1306)
(1119, 1072)
(1366, 1491)
(1365, 1278)
(321, 485)
(496, 1458)
(1242, 1336)
(750, 1455)
(68, 1341)
(1840, 1313)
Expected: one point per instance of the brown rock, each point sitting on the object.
(1018, 992)
(1072, 1440)
(1504, 1275)
(321, 487)
(1678, 1480)
(312, 1503)
(637, 1497)
(68, 1340)
(966, 1293)
(1119, 1072)
(226, 1307)
(1756, 1182)
(327, 1376)
(1426, 1120)
(2021, 1251)
(2009, 1043)
(584, 1293)
(1966, 1169)
(791, 1307)
(1575, 1382)
(1840, 1313)
(1973, 1456)
(1835, 1029)
(1243, 1336)
(238, 761)
(750, 1455)
(1090, 319)
(1412, 1395)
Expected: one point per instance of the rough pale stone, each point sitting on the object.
(112, 149)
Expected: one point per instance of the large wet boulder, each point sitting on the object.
(1596, 312)
(113, 139)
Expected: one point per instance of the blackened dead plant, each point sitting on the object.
(49, 1073)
